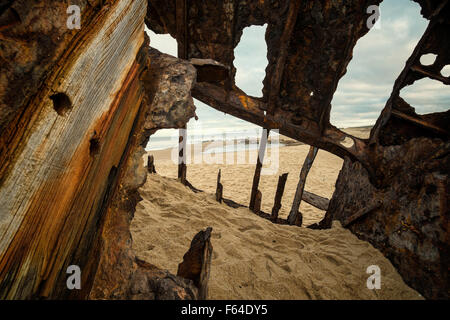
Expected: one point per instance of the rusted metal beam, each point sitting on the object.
(420, 122)
(278, 196)
(250, 109)
(277, 75)
(315, 200)
(182, 36)
(295, 217)
(430, 74)
(259, 164)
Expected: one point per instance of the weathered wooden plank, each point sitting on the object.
(51, 200)
(278, 196)
(295, 216)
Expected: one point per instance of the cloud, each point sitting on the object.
(378, 59)
(163, 42)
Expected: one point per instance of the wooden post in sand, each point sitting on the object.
(219, 188)
(295, 217)
(278, 196)
(259, 164)
(151, 164)
(182, 155)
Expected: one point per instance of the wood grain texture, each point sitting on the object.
(50, 200)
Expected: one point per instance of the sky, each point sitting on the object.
(378, 59)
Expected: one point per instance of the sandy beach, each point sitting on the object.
(253, 258)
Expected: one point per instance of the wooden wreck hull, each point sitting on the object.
(62, 170)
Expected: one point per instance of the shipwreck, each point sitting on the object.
(78, 105)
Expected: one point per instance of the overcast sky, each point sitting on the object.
(378, 59)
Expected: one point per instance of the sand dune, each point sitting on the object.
(253, 258)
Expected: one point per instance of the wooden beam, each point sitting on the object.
(278, 196)
(284, 43)
(295, 217)
(259, 164)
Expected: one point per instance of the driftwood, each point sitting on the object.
(196, 263)
(295, 217)
(278, 196)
